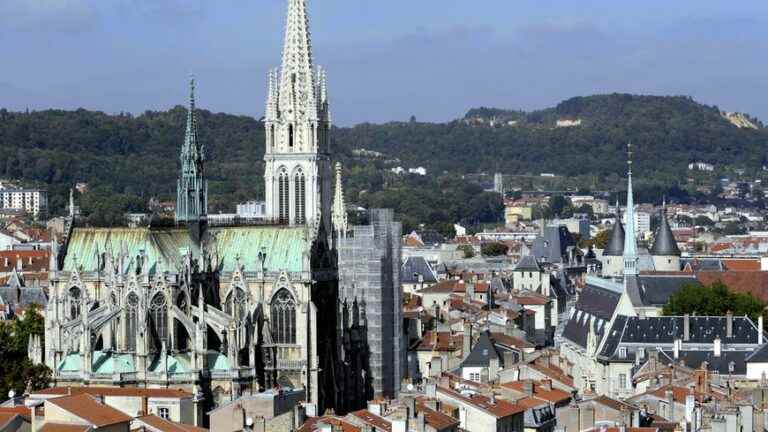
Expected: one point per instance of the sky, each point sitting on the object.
(386, 60)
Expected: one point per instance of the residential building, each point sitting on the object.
(31, 201)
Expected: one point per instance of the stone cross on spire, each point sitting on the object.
(630, 240)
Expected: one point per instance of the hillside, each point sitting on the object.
(128, 159)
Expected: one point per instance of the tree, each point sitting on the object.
(468, 250)
(494, 249)
(16, 370)
(703, 221)
(713, 300)
(560, 206)
(601, 239)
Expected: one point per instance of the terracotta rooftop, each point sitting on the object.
(753, 282)
(20, 409)
(7, 417)
(532, 299)
(511, 341)
(369, 418)
(436, 419)
(500, 408)
(741, 264)
(90, 410)
(540, 391)
(553, 372)
(116, 391)
(60, 427)
(312, 424)
(163, 425)
(439, 341)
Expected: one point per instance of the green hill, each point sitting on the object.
(128, 159)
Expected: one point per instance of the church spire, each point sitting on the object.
(192, 188)
(298, 89)
(630, 239)
(339, 210)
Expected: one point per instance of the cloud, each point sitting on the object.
(49, 15)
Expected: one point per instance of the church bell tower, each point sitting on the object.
(297, 173)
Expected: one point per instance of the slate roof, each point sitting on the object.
(22, 297)
(483, 352)
(721, 364)
(528, 263)
(595, 303)
(416, 266)
(655, 290)
(553, 245)
(615, 245)
(665, 244)
(759, 356)
(654, 331)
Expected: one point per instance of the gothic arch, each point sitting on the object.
(158, 316)
(283, 317)
(131, 320)
(236, 303)
(283, 194)
(300, 194)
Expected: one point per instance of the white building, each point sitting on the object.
(252, 209)
(32, 201)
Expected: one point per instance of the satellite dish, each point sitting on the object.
(249, 421)
(410, 387)
(11, 394)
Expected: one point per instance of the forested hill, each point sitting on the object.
(667, 133)
(129, 159)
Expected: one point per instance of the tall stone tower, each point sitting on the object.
(297, 171)
(192, 188)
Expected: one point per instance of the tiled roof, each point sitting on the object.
(439, 341)
(89, 409)
(7, 417)
(20, 409)
(311, 424)
(741, 264)
(415, 267)
(500, 408)
(549, 394)
(511, 341)
(31, 260)
(116, 391)
(369, 418)
(60, 427)
(553, 372)
(753, 282)
(163, 425)
(436, 419)
(444, 286)
(532, 299)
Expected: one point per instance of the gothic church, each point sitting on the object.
(220, 310)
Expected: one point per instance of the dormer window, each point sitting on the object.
(622, 352)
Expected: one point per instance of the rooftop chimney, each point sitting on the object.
(528, 387)
(729, 324)
(687, 327)
(678, 342)
(718, 347)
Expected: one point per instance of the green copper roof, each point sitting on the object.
(217, 361)
(177, 363)
(165, 246)
(71, 363)
(109, 363)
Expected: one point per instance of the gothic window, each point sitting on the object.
(131, 314)
(236, 304)
(158, 313)
(300, 184)
(283, 316)
(74, 302)
(283, 196)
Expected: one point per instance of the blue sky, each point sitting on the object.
(387, 60)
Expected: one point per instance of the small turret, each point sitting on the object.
(665, 252)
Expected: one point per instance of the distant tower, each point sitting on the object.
(613, 260)
(630, 239)
(192, 188)
(665, 253)
(498, 183)
(339, 212)
(297, 171)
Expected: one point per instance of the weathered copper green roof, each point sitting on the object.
(109, 363)
(177, 363)
(217, 361)
(165, 247)
(71, 363)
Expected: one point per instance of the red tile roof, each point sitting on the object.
(540, 391)
(553, 372)
(741, 264)
(89, 409)
(753, 282)
(164, 425)
(500, 408)
(60, 427)
(311, 424)
(436, 419)
(369, 418)
(511, 341)
(439, 341)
